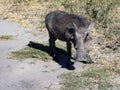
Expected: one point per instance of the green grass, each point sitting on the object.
(38, 51)
(6, 37)
(87, 79)
(29, 52)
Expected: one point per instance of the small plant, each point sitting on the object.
(6, 37)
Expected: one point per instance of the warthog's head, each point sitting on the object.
(82, 42)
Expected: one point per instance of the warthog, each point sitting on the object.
(71, 29)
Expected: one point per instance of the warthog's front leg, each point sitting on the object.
(68, 53)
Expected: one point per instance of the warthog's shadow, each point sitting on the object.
(62, 57)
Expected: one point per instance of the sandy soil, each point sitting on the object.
(22, 75)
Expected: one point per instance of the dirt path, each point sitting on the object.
(21, 75)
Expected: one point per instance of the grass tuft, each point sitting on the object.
(6, 37)
(29, 52)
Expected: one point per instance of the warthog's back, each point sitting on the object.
(57, 23)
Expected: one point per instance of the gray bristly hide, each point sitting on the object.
(72, 29)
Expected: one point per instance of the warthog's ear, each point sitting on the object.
(90, 27)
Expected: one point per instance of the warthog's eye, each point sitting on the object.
(87, 37)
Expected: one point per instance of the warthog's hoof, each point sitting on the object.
(70, 66)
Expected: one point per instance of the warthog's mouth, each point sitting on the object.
(85, 60)
(80, 59)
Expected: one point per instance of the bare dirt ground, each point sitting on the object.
(22, 75)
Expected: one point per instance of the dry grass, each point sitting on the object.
(28, 14)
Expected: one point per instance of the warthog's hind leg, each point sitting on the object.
(52, 46)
